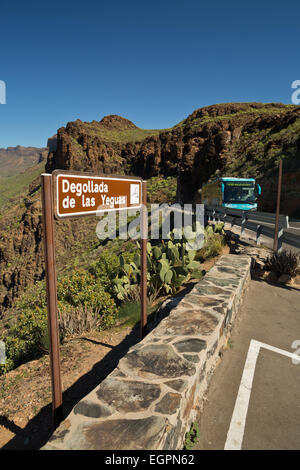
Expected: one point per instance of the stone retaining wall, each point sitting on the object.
(150, 400)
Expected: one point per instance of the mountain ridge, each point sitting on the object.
(237, 138)
(14, 160)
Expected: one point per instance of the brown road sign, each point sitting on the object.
(78, 194)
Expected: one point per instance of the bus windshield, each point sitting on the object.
(238, 191)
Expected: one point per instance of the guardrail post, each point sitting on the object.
(280, 239)
(287, 222)
(258, 234)
(221, 216)
(243, 223)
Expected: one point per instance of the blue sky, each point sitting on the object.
(151, 62)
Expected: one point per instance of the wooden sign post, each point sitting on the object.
(50, 269)
(144, 237)
(275, 244)
(74, 194)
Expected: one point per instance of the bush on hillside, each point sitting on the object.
(104, 269)
(162, 189)
(82, 305)
(283, 262)
(75, 321)
(28, 338)
(214, 241)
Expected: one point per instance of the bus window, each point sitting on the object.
(238, 193)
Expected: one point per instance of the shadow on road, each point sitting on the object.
(280, 285)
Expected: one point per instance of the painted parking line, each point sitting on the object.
(237, 425)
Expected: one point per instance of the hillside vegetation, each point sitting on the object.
(15, 187)
(15, 160)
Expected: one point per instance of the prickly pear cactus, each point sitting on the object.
(169, 265)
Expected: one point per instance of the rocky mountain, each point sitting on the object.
(234, 139)
(14, 160)
(52, 143)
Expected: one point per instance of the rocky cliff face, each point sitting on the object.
(22, 250)
(290, 193)
(235, 139)
(52, 143)
(21, 260)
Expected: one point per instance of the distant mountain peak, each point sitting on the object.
(113, 121)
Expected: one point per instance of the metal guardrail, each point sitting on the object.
(266, 217)
(258, 222)
(255, 221)
(291, 239)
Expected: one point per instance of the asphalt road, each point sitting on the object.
(270, 404)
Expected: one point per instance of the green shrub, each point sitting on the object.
(28, 339)
(32, 298)
(82, 289)
(82, 305)
(105, 269)
(219, 228)
(214, 241)
(192, 437)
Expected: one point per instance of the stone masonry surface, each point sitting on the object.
(150, 400)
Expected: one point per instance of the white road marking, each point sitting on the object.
(237, 425)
